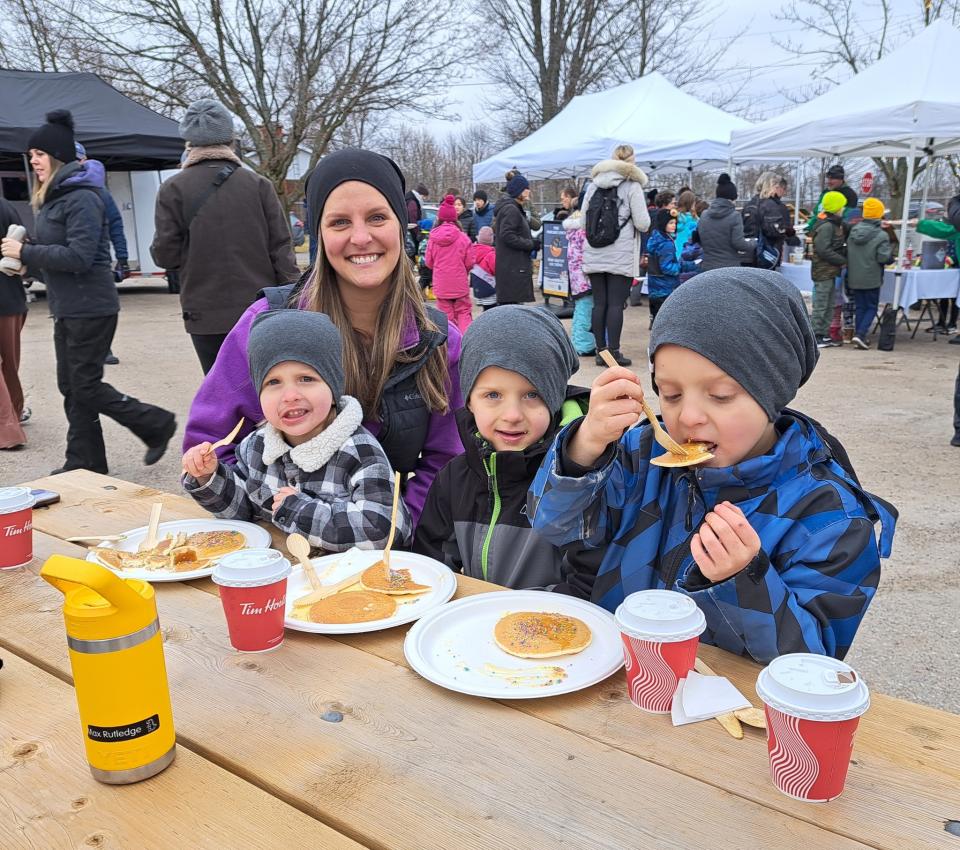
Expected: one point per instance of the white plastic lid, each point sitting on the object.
(14, 499)
(660, 615)
(813, 687)
(251, 568)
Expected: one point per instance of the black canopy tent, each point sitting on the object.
(119, 132)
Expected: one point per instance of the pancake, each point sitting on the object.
(397, 583)
(111, 557)
(694, 453)
(353, 606)
(175, 553)
(215, 544)
(529, 634)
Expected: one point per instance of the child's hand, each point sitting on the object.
(280, 495)
(614, 406)
(200, 462)
(725, 543)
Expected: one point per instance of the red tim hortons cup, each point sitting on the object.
(661, 631)
(813, 705)
(16, 527)
(253, 590)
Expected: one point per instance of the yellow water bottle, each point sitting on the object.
(116, 653)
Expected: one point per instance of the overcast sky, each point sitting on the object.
(765, 71)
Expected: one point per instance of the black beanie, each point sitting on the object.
(752, 323)
(56, 136)
(662, 218)
(726, 188)
(355, 164)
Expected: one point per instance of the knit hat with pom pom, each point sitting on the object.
(447, 211)
(56, 136)
(726, 188)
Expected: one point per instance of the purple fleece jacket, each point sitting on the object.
(227, 393)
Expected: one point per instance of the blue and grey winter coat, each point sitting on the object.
(818, 567)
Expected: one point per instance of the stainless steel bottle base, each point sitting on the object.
(134, 774)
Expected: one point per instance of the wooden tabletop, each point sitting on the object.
(413, 765)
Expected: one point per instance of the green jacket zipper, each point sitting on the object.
(492, 478)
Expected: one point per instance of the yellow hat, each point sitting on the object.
(872, 208)
(833, 202)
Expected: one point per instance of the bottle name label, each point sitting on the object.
(127, 732)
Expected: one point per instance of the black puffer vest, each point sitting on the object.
(404, 418)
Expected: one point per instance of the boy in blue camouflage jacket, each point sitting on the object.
(774, 538)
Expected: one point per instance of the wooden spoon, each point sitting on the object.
(150, 541)
(728, 721)
(226, 441)
(97, 538)
(393, 520)
(328, 590)
(660, 435)
(299, 547)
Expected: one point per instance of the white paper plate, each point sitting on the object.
(423, 570)
(257, 538)
(451, 645)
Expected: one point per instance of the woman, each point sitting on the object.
(399, 356)
(72, 250)
(514, 242)
(773, 218)
(613, 267)
(13, 314)
(465, 218)
(721, 231)
(686, 219)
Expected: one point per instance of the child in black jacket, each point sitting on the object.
(514, 368)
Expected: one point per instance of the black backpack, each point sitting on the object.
(602, 226)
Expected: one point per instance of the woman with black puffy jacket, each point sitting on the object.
(72, 250)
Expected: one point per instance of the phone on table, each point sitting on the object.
(42, 498)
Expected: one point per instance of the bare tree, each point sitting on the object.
(850, 35)
(438, 163)
(293, 72)
(552, 52)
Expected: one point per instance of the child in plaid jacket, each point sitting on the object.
(311, 467)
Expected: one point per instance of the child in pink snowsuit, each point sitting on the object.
(447, 256)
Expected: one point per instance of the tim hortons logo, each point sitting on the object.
(14, 530)
(248, 609)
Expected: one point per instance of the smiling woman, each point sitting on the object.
(399, 356)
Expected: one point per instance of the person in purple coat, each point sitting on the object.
(399, 356)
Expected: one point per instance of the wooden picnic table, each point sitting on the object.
(411, 765)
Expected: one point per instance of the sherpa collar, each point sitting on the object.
(627, 170)
(313, 454)
(205, 152)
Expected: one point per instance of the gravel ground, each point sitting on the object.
(892, 411)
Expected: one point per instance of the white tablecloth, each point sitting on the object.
(917, 283)
(798, 274)
(922, 283)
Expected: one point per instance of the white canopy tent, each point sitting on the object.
(904, 103)
(665, 126)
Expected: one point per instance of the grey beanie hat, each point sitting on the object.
(300, 335)
(206, 123)
(527, 340)
(751, 323)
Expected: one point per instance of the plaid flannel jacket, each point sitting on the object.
(343, 478)
(819, 563)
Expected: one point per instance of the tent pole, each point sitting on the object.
(926, 186)
(796, 207)
(898, 273)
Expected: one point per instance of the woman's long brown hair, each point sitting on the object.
(368, 362)
(40, 189)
